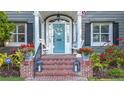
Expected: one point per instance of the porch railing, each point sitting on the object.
(37, 57)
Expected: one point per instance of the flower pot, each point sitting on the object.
(29, 56)
(86, 57)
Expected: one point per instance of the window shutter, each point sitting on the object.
(87, 34)
(115, 33)
(29, 32)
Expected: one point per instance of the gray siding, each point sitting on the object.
(21, 16)
(104, 16)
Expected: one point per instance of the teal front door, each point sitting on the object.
(59, 38)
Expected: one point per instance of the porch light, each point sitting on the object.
(39, 66)
(76, 66)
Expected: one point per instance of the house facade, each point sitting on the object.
(63, 31)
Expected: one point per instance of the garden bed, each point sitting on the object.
(8, 72)
(109, 65)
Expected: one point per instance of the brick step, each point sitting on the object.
(58, 78)
(57, 62)
(57, 67)
(58, 59)
(58, 56)
(56, 73)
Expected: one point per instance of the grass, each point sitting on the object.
(11, 79)
(106, 79)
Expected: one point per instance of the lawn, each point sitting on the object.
(107, 79)
(11, 79)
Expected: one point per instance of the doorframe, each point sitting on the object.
(67, 46)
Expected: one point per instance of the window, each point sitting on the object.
(101, 33)
(19, 35)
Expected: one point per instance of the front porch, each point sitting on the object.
(60, 31)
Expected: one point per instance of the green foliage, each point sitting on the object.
(2, 59)
(120, 61)
(99, 67)
(96, 62)
(95, 58)
(16, 58)
(116, 72)
(113, 56)
(6, 28)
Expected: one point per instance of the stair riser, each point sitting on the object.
(56, 63)
(57, 66)
(56, 74)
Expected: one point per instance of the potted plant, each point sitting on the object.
(27, 50)
(85, 52)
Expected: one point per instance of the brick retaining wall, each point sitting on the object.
(26, 69)
(86, 69)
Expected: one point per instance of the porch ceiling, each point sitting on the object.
(72, 14)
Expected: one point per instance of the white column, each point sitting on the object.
(42, 31)
(36, 30)
(79, 28)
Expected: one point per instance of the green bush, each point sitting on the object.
(13, 69)
(16, 58)
(2, 59)
(97, 64)
(116, 72)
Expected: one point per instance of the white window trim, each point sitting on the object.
(16, 44)
(110, 35)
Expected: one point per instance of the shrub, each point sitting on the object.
(16, 58)
(116, 72)
(112, 55)
(99, 67)
(6, 28)
(2, 59)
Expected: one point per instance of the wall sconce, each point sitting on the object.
(39, 65)
(76, 66)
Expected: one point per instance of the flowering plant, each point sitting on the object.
(27, 49)
(85, 50)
